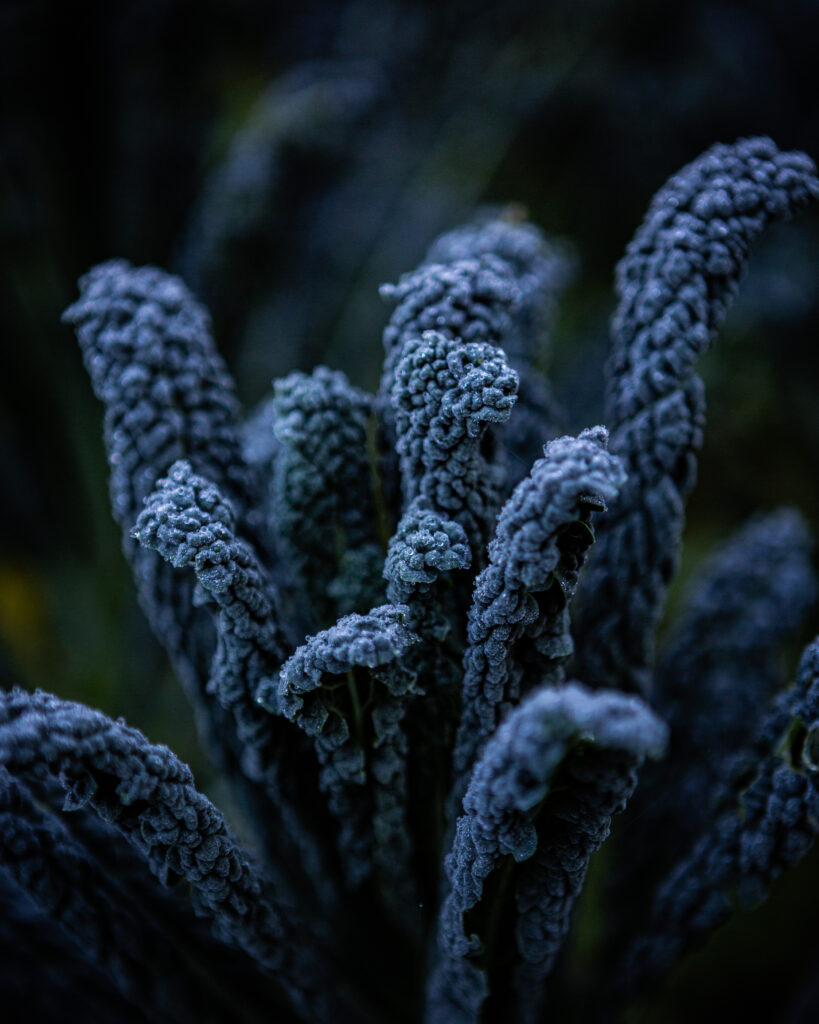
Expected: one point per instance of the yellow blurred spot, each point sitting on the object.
(22, 613)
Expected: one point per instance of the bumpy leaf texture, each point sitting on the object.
(188, 521)
(542, 796)
(444, 396)
(149, 795)
(470, 300)
(771, 826)
(674, 287)
(715, 679)
(147, 347)
(425, 546)
(518, 630)
(473, 299)
(541, 270)
(346, 688)
(331, 543)
(366, 738)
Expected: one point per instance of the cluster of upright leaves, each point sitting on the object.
(368, 600)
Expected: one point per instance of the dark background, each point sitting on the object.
(289, 158)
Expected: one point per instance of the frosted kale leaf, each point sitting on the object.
(323, 428)
(148, 349)
(472, 300)
(149, 795)
(191, 525)
(674, 287)
(444, 396)
(346, 688)
(769, 828)
(425, 546)
(540, 270)
(518, 628)
(538, 805)
(718, 671)
(189, 522)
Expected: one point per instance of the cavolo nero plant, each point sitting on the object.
(427, 709)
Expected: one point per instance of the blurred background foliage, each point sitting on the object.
(287, 158)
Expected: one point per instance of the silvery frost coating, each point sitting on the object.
(104, 924)
(188, 521)
(149, 795)
(541, 796)
(769, 827)
(518, 629)
(147, 346)
(322, 425)
(541, 270)
(346, 688)
(444, 396)
(472, 299)
(674, 287)
(717, 673)
(369, 600)
(425, 546)
(468, 301)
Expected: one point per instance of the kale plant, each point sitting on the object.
(427, 712)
